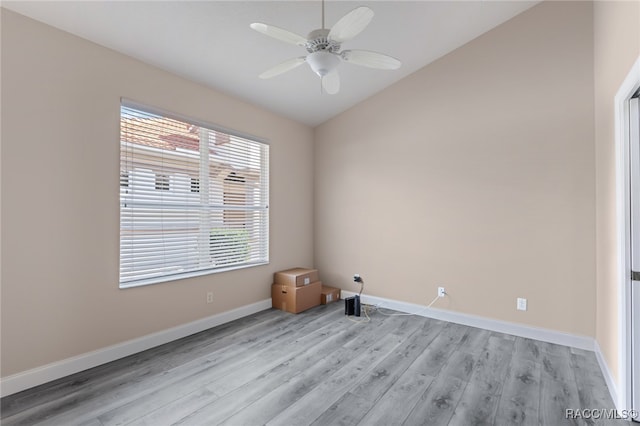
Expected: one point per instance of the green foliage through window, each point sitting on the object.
(229, 246)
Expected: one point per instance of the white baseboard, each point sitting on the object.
(40, 375)
(522, 330)
(608, 377)
(46, 373)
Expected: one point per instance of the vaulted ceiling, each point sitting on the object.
(210, 42)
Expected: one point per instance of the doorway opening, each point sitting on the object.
(627, 113)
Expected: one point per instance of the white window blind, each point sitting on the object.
(193, 200)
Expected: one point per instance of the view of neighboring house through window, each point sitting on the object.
(193, 199)
(162, 181)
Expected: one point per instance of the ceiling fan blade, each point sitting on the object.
(370, 59)
(331, 82)
(351, 24)
(283, 67)
(279, 33)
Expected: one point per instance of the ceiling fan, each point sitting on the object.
(323, 46)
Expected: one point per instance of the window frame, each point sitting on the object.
(265, 164)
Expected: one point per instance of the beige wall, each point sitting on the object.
(616, 47)
(475, 173)
(60, 162)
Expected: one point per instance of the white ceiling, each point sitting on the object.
(210, 41)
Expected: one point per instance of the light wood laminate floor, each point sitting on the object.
(321, 368)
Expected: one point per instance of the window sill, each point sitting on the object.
(185, 275)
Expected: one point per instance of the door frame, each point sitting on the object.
(623, 230)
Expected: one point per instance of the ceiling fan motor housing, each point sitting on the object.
(318, 40)
(322, 56)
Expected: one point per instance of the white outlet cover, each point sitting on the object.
(521, 304)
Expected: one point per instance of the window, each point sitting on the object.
(124, 179)
(195, 185)
(162, 182)
(193, 199)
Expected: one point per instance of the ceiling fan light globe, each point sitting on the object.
(322, 62)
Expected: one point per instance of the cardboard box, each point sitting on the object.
(296, 277)
(329, 294)
(295, 299)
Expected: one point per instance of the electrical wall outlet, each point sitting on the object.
(441, 292)
(210, 297)
(521, 304)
